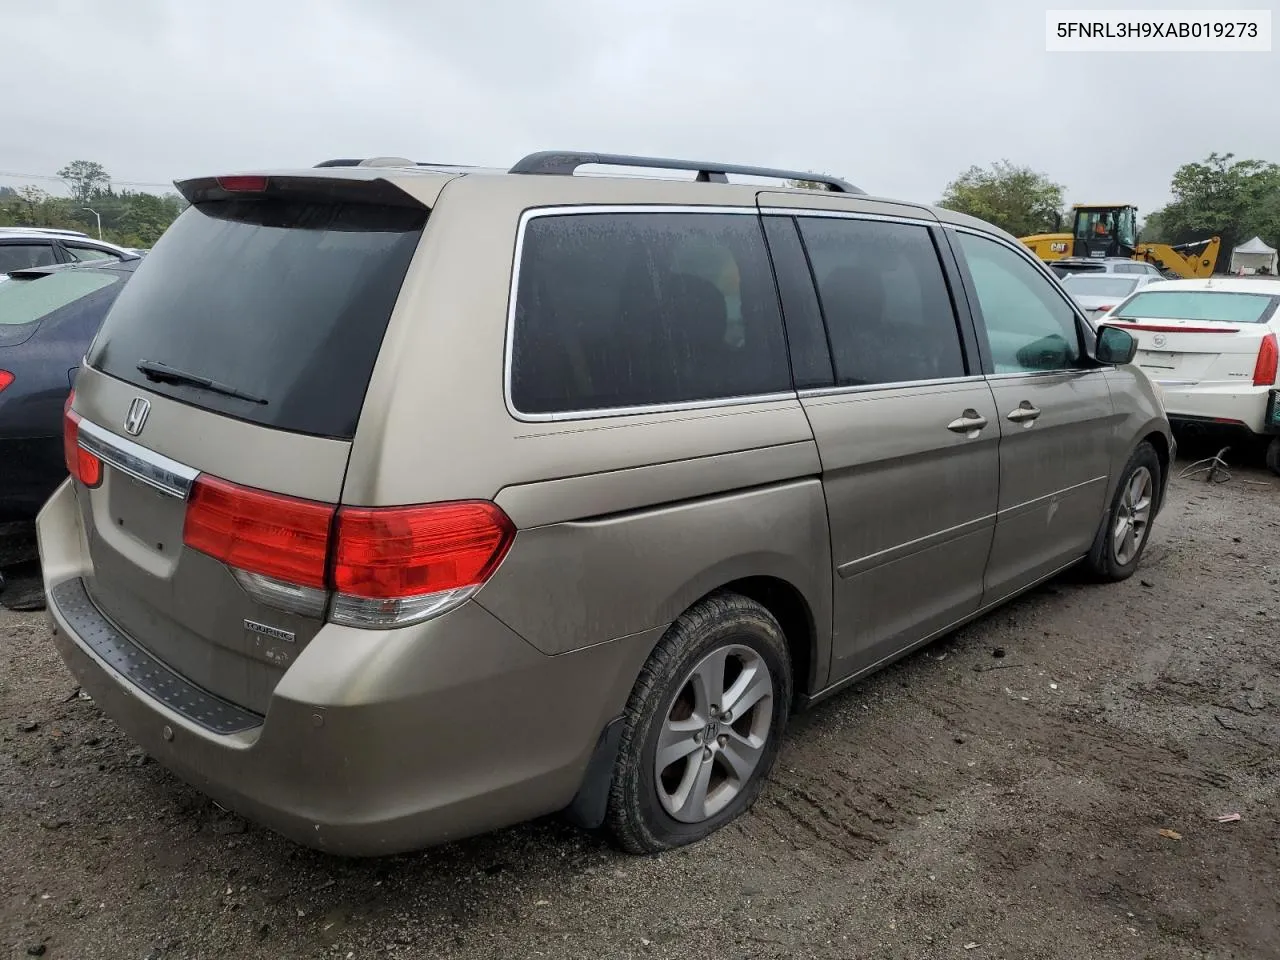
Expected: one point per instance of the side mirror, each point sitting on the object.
(1116, 347)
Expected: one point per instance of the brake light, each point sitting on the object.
(243, 183)
(1163, 328)
(394, 552)
(81, 464)
(388, 566)
(280, 537)
(1264, 371)
(6, 378)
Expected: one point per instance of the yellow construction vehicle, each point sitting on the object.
(1111, 230)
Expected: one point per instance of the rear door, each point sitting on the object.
(906, 432)
(1054, 413)
(234, 364)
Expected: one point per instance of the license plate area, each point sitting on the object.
(1161, 360)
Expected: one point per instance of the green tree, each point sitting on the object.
(83, 177)
(1017, 199)
(1221, 196)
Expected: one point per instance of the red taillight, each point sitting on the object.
(1162, 328)
(1109, 306)
(1264, 371)
(6, 378)
(243, 184)
(81, 464)
(396, 552)
(267, 533)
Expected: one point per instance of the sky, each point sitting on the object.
(896, 96)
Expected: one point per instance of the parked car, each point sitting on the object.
(22, 247)
(477, 497)
(1069, 266)
(1211, 346)
(1096, 293)
(48, 315)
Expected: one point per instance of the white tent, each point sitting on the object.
(1253, 257)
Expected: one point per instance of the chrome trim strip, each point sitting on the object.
(1040, 374)
(1018, 508)
(920, 544)
(611, 412)
(846, 214)
(155, 470)
(816, 392)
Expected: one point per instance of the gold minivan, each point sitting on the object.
(409, 502)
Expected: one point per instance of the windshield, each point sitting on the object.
(1221, 305)
(283, 301)
(27, 300)
(1102, 285)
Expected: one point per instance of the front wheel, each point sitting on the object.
(703, 725)
(1127, 526)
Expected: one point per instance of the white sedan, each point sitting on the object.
(1099, 292)
(1211, 345)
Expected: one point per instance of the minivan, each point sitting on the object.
(410, 502)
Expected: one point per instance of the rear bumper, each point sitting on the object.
(1221, 404)
(374, 743)
(32, 470)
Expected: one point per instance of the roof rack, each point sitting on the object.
(565, 164)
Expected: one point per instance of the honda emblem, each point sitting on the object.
(136, 418)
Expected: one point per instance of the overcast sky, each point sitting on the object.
(897, 96)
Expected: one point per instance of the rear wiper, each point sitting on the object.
(160, 373)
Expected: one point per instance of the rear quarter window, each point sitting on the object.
(283, 301)
(622, 310)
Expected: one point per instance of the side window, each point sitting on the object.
(1030, 327)
(885, 300)
(82, 254)
(19, 256)
(619, 310)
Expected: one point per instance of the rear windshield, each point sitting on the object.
(1099, 285)
(28, 300)
(1198, 305)
(284, 303)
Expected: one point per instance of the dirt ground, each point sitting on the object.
(963, 803)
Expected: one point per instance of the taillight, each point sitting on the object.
(387, 566)
(1264, 371)
(279, 537)
(6, 378)
(1109, 306)
(398, 565)
(242, 183)
(81, 464)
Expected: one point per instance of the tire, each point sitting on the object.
(646, 813)
(1109, 562)
(1273, 455)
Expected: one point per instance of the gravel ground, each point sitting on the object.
(1000, 794)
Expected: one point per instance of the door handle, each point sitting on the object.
(1025, 413)
(969, 423)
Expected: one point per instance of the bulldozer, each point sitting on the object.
(1111, 230)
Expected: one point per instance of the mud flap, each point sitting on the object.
(589, 806)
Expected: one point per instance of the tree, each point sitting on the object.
(1017, 199)
(83, 177)
(1221, 196)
